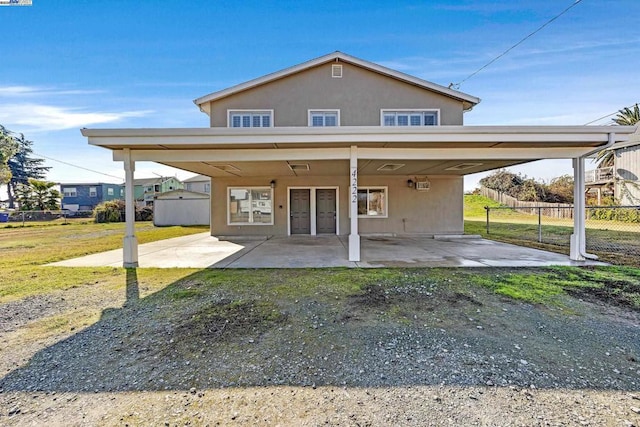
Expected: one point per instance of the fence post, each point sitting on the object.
(487, 208)
(539, 224)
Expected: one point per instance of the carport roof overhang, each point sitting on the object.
(501, 145)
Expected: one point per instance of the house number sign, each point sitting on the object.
(354, 185)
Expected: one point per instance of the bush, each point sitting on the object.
(111, 211)
(114, 211)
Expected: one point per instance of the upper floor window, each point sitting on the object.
(93, 192)
(207, 188)
(69, 192)
(321, 118)
(250, 118)
(109, 191)
(410, 118)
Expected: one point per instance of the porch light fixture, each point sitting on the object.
(273, 183)
(410, 183)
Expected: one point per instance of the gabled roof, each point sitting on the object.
(468, 100)
(198, 178)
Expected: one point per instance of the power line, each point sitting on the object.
(609, 115)
(63, 162)
(457, 85)
(76, 166)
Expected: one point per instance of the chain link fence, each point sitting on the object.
(610, 230)
(23, 218)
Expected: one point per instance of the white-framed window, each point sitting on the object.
(372, 202)
(207, 188)
(250, 206)
(410, 117)
(69, 192)
(323, 118)
(110, 191)
(250, 118)
(93, 192)
(188, 186)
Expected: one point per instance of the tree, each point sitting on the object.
(38, 195)
(560, 190)
(503, 181)
(625, 117)
(628, 116)
(8, 147)
(23, 167)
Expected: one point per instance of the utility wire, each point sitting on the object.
(609, 115)
(76, 166)
(457, 85)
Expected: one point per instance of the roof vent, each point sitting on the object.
(226, 168)
(336, 71)
(391, 166)
(299, 166)
(463, 166)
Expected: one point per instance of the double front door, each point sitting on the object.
(301, 211)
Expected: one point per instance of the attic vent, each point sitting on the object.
(299, 166)
(463, 166)
(390, 166)
(336, 71)
(226, 168)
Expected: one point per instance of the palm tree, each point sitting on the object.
(625, 117)
(628, 116)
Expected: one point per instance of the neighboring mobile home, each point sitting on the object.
(340, 145)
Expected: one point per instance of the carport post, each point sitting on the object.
(130, 244)
(578, 237)
(354, 237)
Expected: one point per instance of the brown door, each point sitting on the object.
(300, 212)
(326, 211)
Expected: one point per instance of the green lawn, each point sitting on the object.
(24, 251)
(612, 241)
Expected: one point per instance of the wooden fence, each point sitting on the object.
(551, 210)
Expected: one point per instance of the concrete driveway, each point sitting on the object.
(205, 251)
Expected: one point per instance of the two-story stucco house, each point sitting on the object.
(343, 146)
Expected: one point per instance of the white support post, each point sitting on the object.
(130, 244)
(578, 244)
(354, 237)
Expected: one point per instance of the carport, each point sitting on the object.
(348, 150)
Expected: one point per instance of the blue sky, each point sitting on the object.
(73, 64)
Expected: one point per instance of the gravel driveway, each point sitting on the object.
(410, 353)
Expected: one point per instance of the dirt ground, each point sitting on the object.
(408, 352)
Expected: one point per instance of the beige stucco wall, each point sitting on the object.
(359, 95)
(438, 211)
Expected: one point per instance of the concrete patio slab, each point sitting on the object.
(205, 251)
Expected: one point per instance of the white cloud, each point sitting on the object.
(22, 91)
(39, 117)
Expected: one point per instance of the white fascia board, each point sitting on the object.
(205, 137)
(247, 155)
(284, 154)
(336, 56)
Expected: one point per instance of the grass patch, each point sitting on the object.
(225, 320)
(24, 251)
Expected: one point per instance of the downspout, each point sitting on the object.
(582, 248)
